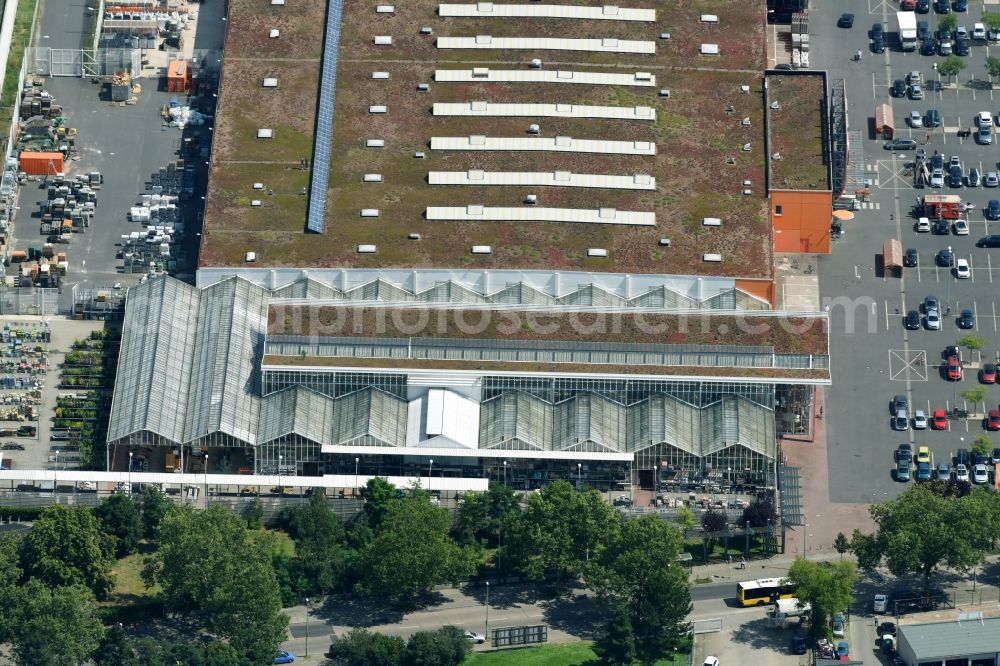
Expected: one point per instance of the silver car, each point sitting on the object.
(991, 179)
(919, 419)
(932, 321)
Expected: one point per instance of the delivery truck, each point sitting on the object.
(907, 22)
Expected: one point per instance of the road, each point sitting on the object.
(62, 24)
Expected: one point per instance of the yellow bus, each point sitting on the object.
(763, 591)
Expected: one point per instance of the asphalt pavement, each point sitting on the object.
(873, 356)
(63, 24)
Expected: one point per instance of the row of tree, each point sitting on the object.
(445, 647)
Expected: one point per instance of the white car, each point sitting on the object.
(979, 474)
(881, 601)
(961, 32)
(923, 225)
(474, 637)
(979, 31)
(919, 419)
(984, 118)
(933, 321)
(711, 661)
(961, 473)
(962, 269)
(916, 120)
(961, 228)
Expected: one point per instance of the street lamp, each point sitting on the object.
(356, 461)
(280, 491)
(579, 468)
(486, 634)
(205, 471)
(505, 472)
(130, 472)
(307, 626)
(430, 472)
(57, 458)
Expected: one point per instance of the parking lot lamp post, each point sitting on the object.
(430, 472)
(579, 468)
(356, 461)
(205, 471)
(130, 472)
(307, 626)
(280, 492)
(486, 634)
(505, 472)
(57, 458)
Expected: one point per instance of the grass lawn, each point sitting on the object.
(572, 654)
(129, 587)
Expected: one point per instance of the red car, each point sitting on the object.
(939, 421)
(993, 420)
(954, 369)
(988, 373)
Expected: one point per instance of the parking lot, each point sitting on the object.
(874, 356)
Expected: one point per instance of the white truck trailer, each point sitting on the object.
(907, 30)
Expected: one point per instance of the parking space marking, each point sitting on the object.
(895, 176)
(887, 315)
(908, 365)
(972, 271)
(975, 311)
(994, 305)
(989, 269)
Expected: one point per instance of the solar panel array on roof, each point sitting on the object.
(487, 109)
(600, 45)
(542, 179)
(560, 144)
(605, 13)
(322, 145)
(487, 75)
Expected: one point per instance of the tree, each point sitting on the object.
(120, 518)
(947, 23)
(951, 65)
(482, 516)
(559, 529)
(975, 395)
(981, 445)
(827, 586)
(919, 531)
(991, 20)
(713, 522)
(253, 514)
(10, 576)
(208, 560)
(361, 647)
(659, 615)
(319, 536)
(66, 547)
(154, 504)
(115, 648)
(412, 551)
(685, 518)
(760, 513)
(615, 645)
(971, 340)
(54, 626)
(445, 647)
(841, 545)
(992, 67)
(378, 495)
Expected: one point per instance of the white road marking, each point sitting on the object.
(887, 315)
(994, 306)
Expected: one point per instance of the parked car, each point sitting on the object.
(799, 645)
(837, 625)
(898, 88)
(923, 471)
(945, 258)
(961, 473)
(962, 457)
(928, 48)
(944, 47)
(988, 373)
(284, 657)
(923, 225)
(992, 210)
(942, 6)
(961, 5)
(993, 420)
(984, 136)
(943, 472)
(923, 6)
(961, 47)
(963, 270)
(845, 21)
(991, 179)
(993, 240)
(474, 637)
(966, 318)
(915, 119)
(975, 178)
(843, 650)
(903, 470)
(901, 421)
(899, 402)
(924, 31)
(924, 454)
(910, 257)
(932, 118)
(901, 144)
(912, 322)
(955, 178)
(995, 456)
(877, 31)
(979, 32)
(904, 452)
(878, 46)
(961, 228)
(932, 320)
(916, 91)
(953, 369)
(939, 420)
(919, 419)
(979, 475)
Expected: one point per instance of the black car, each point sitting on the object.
(928, 48)
(878, 46)
(942, 6)
(923, 30)
(961, 47)
(941, 228)
(937, 161)
(992, 213)
(845, 21)
(923, 6)
(961, 5)
(955, 177)
(898, 88)
(932, 119)
(912, 320)
(980, 459)
(910, 258)
(877, 31)
(887, 628)
(993, 240)
(995, 456)
(945, 258)
(962, 457)
(799, 645)
(966, 319)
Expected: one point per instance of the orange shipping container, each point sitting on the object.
(41, 164)
(177, 76)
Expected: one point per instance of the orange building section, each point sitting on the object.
(41, 164)
(177, 76)
(762, 289)
(801, 220)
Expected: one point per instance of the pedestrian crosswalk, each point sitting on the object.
(868, 205)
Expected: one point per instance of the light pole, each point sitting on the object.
(57, 458)
(505, 472)
(356, 461)
(948, 300)
(130, 472)
(486, 634)
(280, 491)
(430, 472)
(205, 471)
(307, 626)
(579, 468)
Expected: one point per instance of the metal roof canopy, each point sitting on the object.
(542, 179)
(487, 75)
(488, 109)
(599, 45)
(477, 213)
(562, 144)
(945, 640)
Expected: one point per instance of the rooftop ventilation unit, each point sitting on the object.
(265, 133)
(531, 200)
(377, 108)
(597, 252)
(480, 72)
(413, 236)
(258, 186)
(385, 9)
(256, 203)
(664, 92)
(745, 122)
(367, 249)
(534, 129)
(383, 40)
(664, 35)
(423, 87)
(277, 2)
(709, 49)
(711, 258)
(482, 249)
(665, 242)
(419, 155)
(375, 143)
(427, 31)
(273, 34)
(369, 212)
(711, 221)
(643, 76)
(373, 178)
(250, 257)
(270, 83)
(745, 90)
(380, 76)
(536, 63)
(709, 18)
